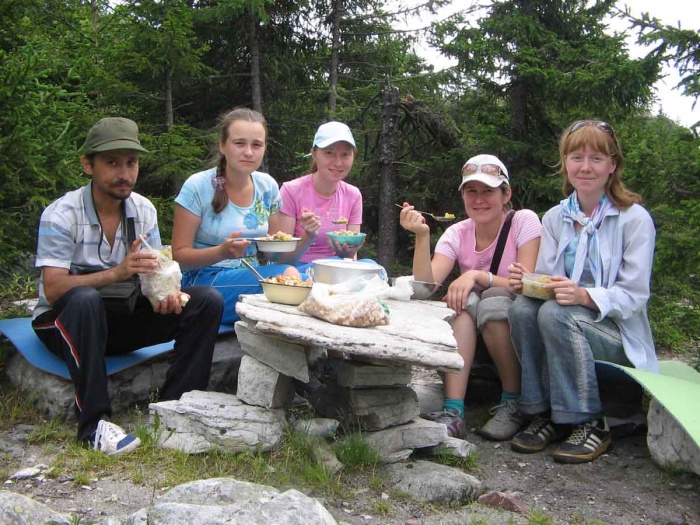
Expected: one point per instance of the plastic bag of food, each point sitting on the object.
(349, 303)
(165, 280)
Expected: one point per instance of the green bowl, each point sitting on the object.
(347, 238)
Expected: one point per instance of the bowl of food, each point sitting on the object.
(279, 242)
(348, 237)
(285, 289)
(423, 290)
(534, 286)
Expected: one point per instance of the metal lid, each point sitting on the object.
(347, 264)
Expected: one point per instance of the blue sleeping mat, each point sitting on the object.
(19, 331)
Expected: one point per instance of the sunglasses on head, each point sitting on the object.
(488, 169)
(602, 126)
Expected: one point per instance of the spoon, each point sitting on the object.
(145, 242)
(252, 269)
(438, 218)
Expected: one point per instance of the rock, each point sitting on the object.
(317, 427)
(226, 500)
(503, 500)
(201, 421)
(16, 509)
(418, 334)
(669, 443)
(434, 483)
(420, 433)
(455, 447)
(285, 357)
(263, 386)
(370, 409)
(28, 472)
(55, 396)
(430, 397)
(358, 375)
(323, 454)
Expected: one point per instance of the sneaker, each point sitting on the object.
(111, 440)
(504, 424)
(587, 442)
(538, 434)
(452, 420)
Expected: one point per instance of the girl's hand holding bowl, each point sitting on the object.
(346, 243)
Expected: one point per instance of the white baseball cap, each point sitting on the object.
(485, 168)
(332, 132)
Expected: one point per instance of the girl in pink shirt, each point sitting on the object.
(481, 299)
(322, 201)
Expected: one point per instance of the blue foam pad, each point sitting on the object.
(19, 331)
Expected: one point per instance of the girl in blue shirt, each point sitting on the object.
(219, 209)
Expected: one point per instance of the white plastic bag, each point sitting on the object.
(165, 280)
(349, 303)
(401, 289)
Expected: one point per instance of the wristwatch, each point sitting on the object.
(490, 281)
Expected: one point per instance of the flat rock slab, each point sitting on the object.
(203, 421)
(397, 443)
(434, 483)
(205, 502)
(419, 332)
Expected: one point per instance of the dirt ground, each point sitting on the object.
(622, 487)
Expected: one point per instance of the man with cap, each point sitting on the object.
(82, 247)
(480, 296)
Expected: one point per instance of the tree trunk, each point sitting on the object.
(335, 49)
(255, 83)
(388, 145)
(169, 118)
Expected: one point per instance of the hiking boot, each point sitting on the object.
(538, 434)
(111, 440)
(588, 441)
(504, 424)
(452, 420)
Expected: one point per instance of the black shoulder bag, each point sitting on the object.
(496, 261)
(120, 298)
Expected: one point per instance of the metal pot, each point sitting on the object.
(332, 271)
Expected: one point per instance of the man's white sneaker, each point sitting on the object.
(110, 439)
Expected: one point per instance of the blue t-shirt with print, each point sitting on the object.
(196, 197)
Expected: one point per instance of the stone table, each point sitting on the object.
(419, 332)
(367, 389)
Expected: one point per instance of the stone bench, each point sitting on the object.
(132, 386)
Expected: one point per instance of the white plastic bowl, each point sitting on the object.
(271, 246)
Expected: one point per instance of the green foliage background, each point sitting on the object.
(524, 70)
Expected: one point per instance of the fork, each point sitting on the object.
(438, 218)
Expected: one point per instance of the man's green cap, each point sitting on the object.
(113, 133)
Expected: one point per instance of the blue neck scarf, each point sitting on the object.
(588, 247)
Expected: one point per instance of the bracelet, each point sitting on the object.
(490, 281)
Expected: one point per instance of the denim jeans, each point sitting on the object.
(557, 347)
